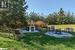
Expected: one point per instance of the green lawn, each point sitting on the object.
(43, 42)
(38, 41)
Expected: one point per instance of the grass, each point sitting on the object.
(38, 41)
(43, 42)
(10, 44)
(6, 35)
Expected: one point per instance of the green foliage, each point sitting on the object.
(60, 17)
(35, 17)
(11, 44)
(38, 41)
(44, 42)
(16, 15)
(43, 30)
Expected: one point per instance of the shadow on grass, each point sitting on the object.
(39, 40)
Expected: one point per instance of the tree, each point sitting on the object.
(69, 19)
(16, 13)
(61, 16)
(34, 16)
(52, 18)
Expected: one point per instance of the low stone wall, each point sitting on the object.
(63, 27)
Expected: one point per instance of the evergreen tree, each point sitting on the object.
(15, 16)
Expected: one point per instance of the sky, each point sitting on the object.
(50, 6)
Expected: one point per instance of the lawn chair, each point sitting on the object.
(52, 28)
(17, 34)
(58, 31)
(69, 29)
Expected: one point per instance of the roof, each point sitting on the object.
(40, 23)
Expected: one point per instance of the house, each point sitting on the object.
(33, 26)
(4, 5)
(30, 28)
